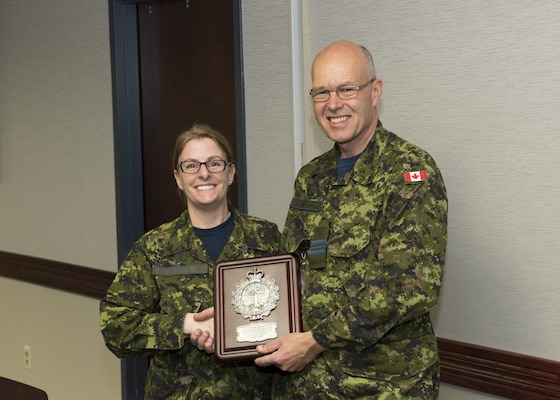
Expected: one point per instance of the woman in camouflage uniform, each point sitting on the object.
(159, 303)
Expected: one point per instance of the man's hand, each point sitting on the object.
(199, 327)
(290, 353)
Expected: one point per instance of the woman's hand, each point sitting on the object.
(199, 327)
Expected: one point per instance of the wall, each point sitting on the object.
(57, 189)
(68, 357)
(473, 83)
(476, 84)
(268, 103)
(56, 132)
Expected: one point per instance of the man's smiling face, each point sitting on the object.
(351, 122)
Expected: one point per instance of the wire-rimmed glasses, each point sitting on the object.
(343, 92)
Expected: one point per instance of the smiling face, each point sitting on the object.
(351, 123)
(205, 191)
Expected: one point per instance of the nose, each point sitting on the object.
(334, 101)
(203, 171)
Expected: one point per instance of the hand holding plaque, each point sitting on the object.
(255, 300)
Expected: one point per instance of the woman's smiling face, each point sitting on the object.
(204, 189)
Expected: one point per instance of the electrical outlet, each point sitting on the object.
(27, 357)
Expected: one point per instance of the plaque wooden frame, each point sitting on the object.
(284, 269)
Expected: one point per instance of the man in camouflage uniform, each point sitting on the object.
(372, 213)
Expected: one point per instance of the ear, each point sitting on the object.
(377, 91)
(177, 179)
(231, 174)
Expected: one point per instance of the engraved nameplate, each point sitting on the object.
(257, 331)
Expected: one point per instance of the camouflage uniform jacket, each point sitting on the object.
(167, 274)
(373, 270)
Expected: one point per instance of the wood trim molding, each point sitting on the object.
(502, 373)
(484, 369)
(57, 275)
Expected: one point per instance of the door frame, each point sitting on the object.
(125, 78)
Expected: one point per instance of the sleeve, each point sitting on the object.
(276, 241)
(129, 313)
(404, 274)
(270, 237)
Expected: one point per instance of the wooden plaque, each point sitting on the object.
(255, 300)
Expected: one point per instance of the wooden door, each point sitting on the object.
(187, 63)
(174, 63)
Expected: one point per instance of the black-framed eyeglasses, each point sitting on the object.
(343, 92)
(192, 167)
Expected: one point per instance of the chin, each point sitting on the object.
(339, 137)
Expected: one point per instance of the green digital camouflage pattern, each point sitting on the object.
(372, 274)
(165, 275)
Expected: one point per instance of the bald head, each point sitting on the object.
(347, 51)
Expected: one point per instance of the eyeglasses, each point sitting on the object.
(343, 92)
(192, 167)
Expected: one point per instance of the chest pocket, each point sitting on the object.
(350, 242)
(352, 255)
(183, 287)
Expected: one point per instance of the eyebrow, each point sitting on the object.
(209, 159)
(347, 83)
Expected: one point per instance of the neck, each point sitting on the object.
(354, 148)
(208, 218)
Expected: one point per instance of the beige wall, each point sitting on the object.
(68, 357)
(57, 189)
(475, 84)
(57, 185)
(466, 83)
(268, 102)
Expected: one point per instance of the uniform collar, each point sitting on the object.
(189, 241)
(366, 166)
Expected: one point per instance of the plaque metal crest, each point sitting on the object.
(256, 299)
(256, 296)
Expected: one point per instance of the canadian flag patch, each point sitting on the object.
(415, 176)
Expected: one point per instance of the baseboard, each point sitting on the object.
(499, 372)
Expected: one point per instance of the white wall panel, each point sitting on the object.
(57, 185)
(477, 85)
(268, 102)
